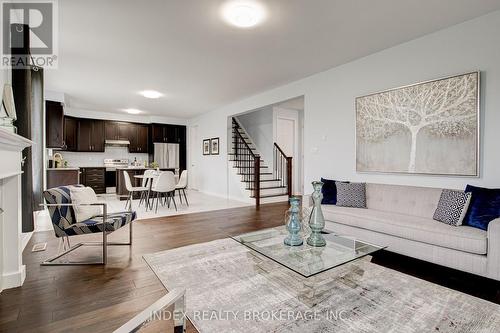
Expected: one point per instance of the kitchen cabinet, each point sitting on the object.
(139, 138)
(168, 133)
(62, 177)
(94, 178)
(54, 124)
(70, 134)
(90, 135)
(159, 133)
(117, 130)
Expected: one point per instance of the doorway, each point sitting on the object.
(287, 134)
(194, 153)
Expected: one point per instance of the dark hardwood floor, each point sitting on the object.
(100, 299)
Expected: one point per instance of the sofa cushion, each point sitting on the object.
(329, 191)
(409, 200)
(452, 207)
(426, 230)
(484, 206)
(351, 194)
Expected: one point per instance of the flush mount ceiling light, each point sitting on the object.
(243, 13)
(132, 111)
(151, 94)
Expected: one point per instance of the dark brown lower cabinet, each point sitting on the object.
(94, 178)
(61, 177)
(121, 189)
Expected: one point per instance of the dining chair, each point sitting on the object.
(147, 185)
(182, 185)
(164, 186)
(131, 190)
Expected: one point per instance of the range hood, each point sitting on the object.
(117, 143)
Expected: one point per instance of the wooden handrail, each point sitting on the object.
(248, 160)
(278, 168)
(242, 139)
(280, 150)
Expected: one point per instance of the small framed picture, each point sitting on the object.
(206, 147)
(214, 146)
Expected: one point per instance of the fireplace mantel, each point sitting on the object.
(13, 142)
(12, 271)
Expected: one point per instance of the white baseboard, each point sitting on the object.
(25, 238)
(14, 279)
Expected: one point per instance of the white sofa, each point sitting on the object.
(400, 217)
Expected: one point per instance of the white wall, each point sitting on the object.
(259, 126)
(329, 117)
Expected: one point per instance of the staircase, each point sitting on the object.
(265, 183)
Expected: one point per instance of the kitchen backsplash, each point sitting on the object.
(81, 159)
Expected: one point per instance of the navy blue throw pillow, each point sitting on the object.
(329, 191)
(484, 207)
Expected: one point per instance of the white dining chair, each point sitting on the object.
(164, 186)
(147, 185)
(182, 185)
(131, 190)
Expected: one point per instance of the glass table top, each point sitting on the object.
(305, 259)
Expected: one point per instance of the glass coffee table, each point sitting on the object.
(306, 260)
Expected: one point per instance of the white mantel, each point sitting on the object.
(12, 271)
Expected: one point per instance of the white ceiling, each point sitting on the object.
(110, 50)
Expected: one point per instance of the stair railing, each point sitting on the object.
(246, 161)
(282, 168)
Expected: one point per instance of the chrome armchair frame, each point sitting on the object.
(104, 243)
(176, 297)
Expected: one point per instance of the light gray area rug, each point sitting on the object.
(232, 289)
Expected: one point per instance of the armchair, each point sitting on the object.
(63, 220)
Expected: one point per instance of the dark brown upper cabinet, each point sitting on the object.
(159, 133)
(139, 138)
(54, 124)
(168, 133)
(116, 130)
(70, 134)
(91, 135)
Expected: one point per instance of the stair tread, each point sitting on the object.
(262, 180)
(270, 195)
(266, 188)
(252, 173)
(249, 167)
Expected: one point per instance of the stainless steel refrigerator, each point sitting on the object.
(167, 156)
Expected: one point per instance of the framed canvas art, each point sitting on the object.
(214, 146)
(425, 128)
(206, 147)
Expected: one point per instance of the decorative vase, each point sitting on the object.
(316, 219)
(293, 224)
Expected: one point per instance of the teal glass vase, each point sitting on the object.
(316, 219)
(293, 224)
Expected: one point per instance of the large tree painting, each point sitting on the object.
(429, 128)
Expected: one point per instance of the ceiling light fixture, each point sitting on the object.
(151, 94)
(243, 13)
(132, 111)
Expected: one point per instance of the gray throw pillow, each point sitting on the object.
(351, 194)
(452, 207)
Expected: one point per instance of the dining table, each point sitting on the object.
(149, 183)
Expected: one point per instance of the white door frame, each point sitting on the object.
(194, 154)
(297, 162)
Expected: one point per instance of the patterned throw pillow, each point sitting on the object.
(351, 194)
(452, 207)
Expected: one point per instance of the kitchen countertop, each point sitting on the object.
(63, 169)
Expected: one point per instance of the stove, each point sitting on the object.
(110, 175)
(111, 164)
